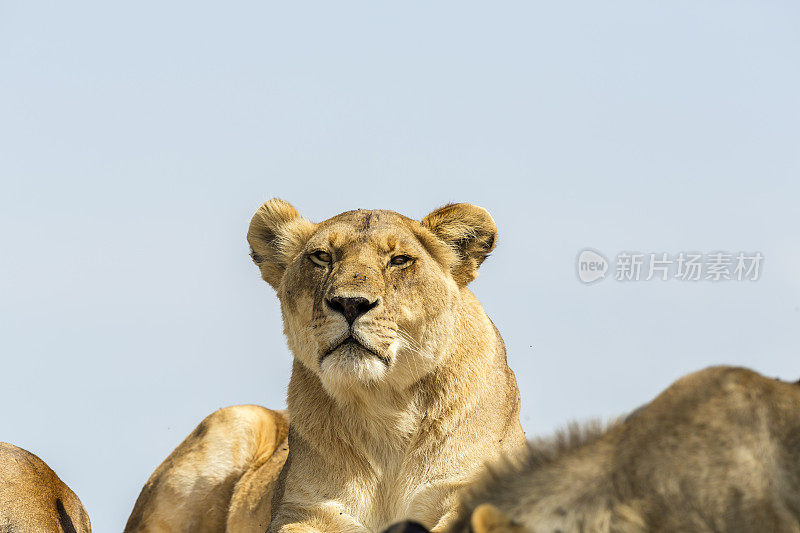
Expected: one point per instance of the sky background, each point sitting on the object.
(137, 139)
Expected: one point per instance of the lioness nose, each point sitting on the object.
(351, 308)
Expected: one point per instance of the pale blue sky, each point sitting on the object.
(137, 139)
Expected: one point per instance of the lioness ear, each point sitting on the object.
(487, 518)
(277, 234)
(469, 231)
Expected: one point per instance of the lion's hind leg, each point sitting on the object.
(210, 472)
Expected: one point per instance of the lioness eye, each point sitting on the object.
(321, 258)
(400, 260)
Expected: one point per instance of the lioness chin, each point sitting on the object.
(399, 393)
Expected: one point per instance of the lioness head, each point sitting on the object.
(367, 296)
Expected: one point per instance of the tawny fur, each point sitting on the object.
(219, 478)
(33, 498)
(382, 429)
(718, 451)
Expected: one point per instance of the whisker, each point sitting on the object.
(408, 338)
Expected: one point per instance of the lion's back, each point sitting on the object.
(33, 497)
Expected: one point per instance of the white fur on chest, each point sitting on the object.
(408, 500)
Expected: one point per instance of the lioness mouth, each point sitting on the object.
(352, 340)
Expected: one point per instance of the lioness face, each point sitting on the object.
(366, 296)
(361, 298)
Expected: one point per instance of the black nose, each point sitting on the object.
(351, 308)
(406, 527)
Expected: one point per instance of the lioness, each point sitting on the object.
(718, 451)
(33, 498)
(400, 389)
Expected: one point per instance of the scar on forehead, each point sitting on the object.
(366, 221)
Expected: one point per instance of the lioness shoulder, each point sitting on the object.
(33, 497)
